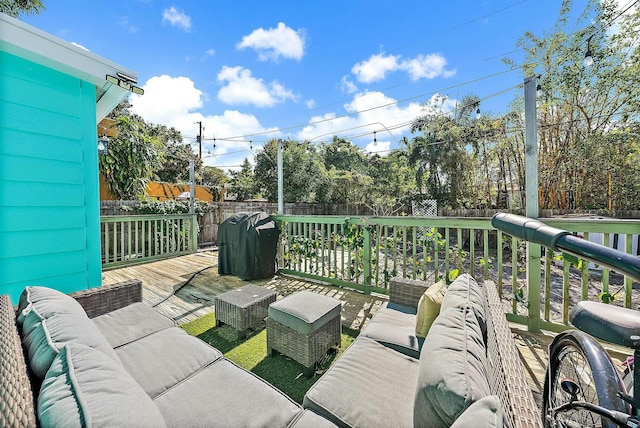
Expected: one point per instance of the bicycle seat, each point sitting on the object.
(613, 324)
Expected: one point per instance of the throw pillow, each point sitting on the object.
(85, 388)
(429, 307)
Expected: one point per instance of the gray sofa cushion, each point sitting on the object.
(131, 323)
(310, 419)
(46, 337)
(452, 368)
(370, 385)
(165, 358)
(305, 311)
(225, 395)
(395, 326)
(85, 388)
(47, 302)
(466, 291)
(484, 413)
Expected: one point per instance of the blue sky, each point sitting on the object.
(256, 70)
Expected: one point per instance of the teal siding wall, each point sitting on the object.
(49, 199)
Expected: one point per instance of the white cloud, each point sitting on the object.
(379, 65)
(240, 87)
(310, 103)
(375, 68)
(347, 85)
(273, 43)
(210, 52)
(125, 23)
(380, 148)
(175, 101)
(427, 67)
(176, 18)
(365, 118)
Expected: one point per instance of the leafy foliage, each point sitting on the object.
(16, 8)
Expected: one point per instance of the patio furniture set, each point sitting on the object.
(101, 357)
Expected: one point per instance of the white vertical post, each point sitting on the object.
(192, 187)
(531, 147)
(280, 180)
(534, 251)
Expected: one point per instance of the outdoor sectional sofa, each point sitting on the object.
(466, 372)
(126, 365)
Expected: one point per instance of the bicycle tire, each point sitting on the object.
(579, 357)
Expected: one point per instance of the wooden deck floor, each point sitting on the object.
(195, 281)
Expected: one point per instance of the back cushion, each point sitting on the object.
(484, 413)
(47, 302)
(85, 388)
(466, 291)
(49, 320)
(452, 373)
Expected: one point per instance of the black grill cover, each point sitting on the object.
(247, 244)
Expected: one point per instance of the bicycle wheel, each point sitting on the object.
(577, 356)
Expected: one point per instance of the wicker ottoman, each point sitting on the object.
(304, 326)
(244, 307)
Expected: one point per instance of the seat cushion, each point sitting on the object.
(46, 337)
(370, 385)
(452, 372)
(85, 388)
(163, 359)
(305, 311)
(310, 419)
(47, 302)
(395, 326)
(131, 323)
(484, 413)
(429, 307)
(225, 395)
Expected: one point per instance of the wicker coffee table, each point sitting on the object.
(244, 307)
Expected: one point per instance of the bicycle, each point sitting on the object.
(582, 385)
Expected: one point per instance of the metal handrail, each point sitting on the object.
(535, 231)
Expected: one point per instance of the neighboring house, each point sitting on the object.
(52, 95)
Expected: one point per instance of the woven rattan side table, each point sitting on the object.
(304, 326)
(244, 307)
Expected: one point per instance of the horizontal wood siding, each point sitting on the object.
(47, 127)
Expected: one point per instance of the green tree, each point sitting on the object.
(242, 182)
(581, 104)
(392, 183)
(303, 171)
(16, 8)
(213, 176)
(128, 165)
(440, 155)
(173, 155)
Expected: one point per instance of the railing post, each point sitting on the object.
(194, 233)
(534, 265)
(366, 256)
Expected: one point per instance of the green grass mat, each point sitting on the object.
(251, 354)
